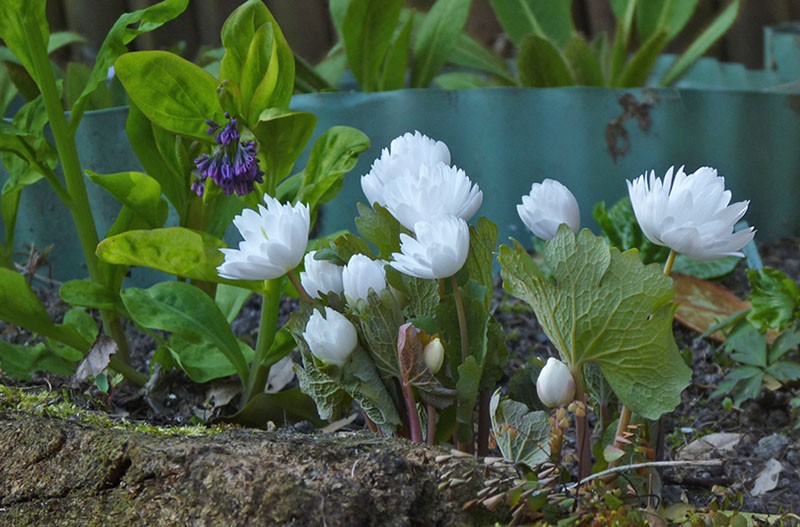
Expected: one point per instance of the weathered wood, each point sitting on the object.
(57, 472)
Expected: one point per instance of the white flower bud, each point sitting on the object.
(331, 339)
(433, 353)
(320, 276)
(360, 275)
(548, 205)
(555, 385)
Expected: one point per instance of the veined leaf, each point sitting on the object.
(551, 19)
(367, 30)
(609, 308)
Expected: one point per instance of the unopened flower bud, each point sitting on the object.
(331, 339)
(433, 353)
(555, 384)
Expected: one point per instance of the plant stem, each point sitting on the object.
(414, 427)
(300, 289)
(484, 423)
(430, 437)
(582, 432)
(464, 446)
(78, 202)
(67, 153)
(127, 371)
(462, 320)
(259, 371)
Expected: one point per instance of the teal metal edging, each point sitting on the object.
(507, 138)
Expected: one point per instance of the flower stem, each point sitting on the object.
(669, 263)
(300, 289)
(464, 446)
(462, 320)
(414, 427)
(270, 301)
(583, 446)
(430, 437)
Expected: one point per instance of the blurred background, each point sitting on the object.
(308, 28)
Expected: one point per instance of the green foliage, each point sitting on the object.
(437, 37)
(757, 362)
(366, 30)
(775, 299)
(522, 436)
(621, 229)
(606, 307)
(552, 53)
(187, 312)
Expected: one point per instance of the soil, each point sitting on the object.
(765, 427)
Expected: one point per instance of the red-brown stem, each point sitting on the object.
(300, 289)
(584, 443)
(414, 427)
(431, 435)
(483, 423)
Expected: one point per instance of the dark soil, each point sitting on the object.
(766, 425)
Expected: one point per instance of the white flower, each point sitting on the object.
(555, 385)
(360, 275)
(548, 205)
(320, 276)
(275, 240)
(439, 250)
(690, 214)
(432, 190)
(433, 355)
(331, 339)
(405, 154)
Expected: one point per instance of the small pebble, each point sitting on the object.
(771, 446)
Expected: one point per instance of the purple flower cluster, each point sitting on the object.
(233, 164)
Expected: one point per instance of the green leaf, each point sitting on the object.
(637, 70)
(334, 154)
(786, 341)
(136, 190)
(174, 250)
(257, 59)
(147, 141)
(653, 16)
(624, 11)
(379, 227)
(522, 436)
(127, 27)
(364, 384)
(467, 388)
(231, 299)
(609, 308)
(186, 311)
(702, 43)
(621, 228)
(172, 92)
(551, 19)
(480, 260)
(203, 361)
(422, 296)
(462, 80)
(282, 136)
(393, 76)
(583, 62)
(75, 81)
(281, 408)
(367, 30)
(331, 400)
(775, 299)
(87, 294)
(20, 306)
(61, 39)
(436, 38)
(706, 270)
(469, 53)
(380, 322)
(542, 65)
(21, 362)
(23, 29)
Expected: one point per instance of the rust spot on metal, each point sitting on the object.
(617, 138)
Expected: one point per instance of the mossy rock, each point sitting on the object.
(86, 469)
